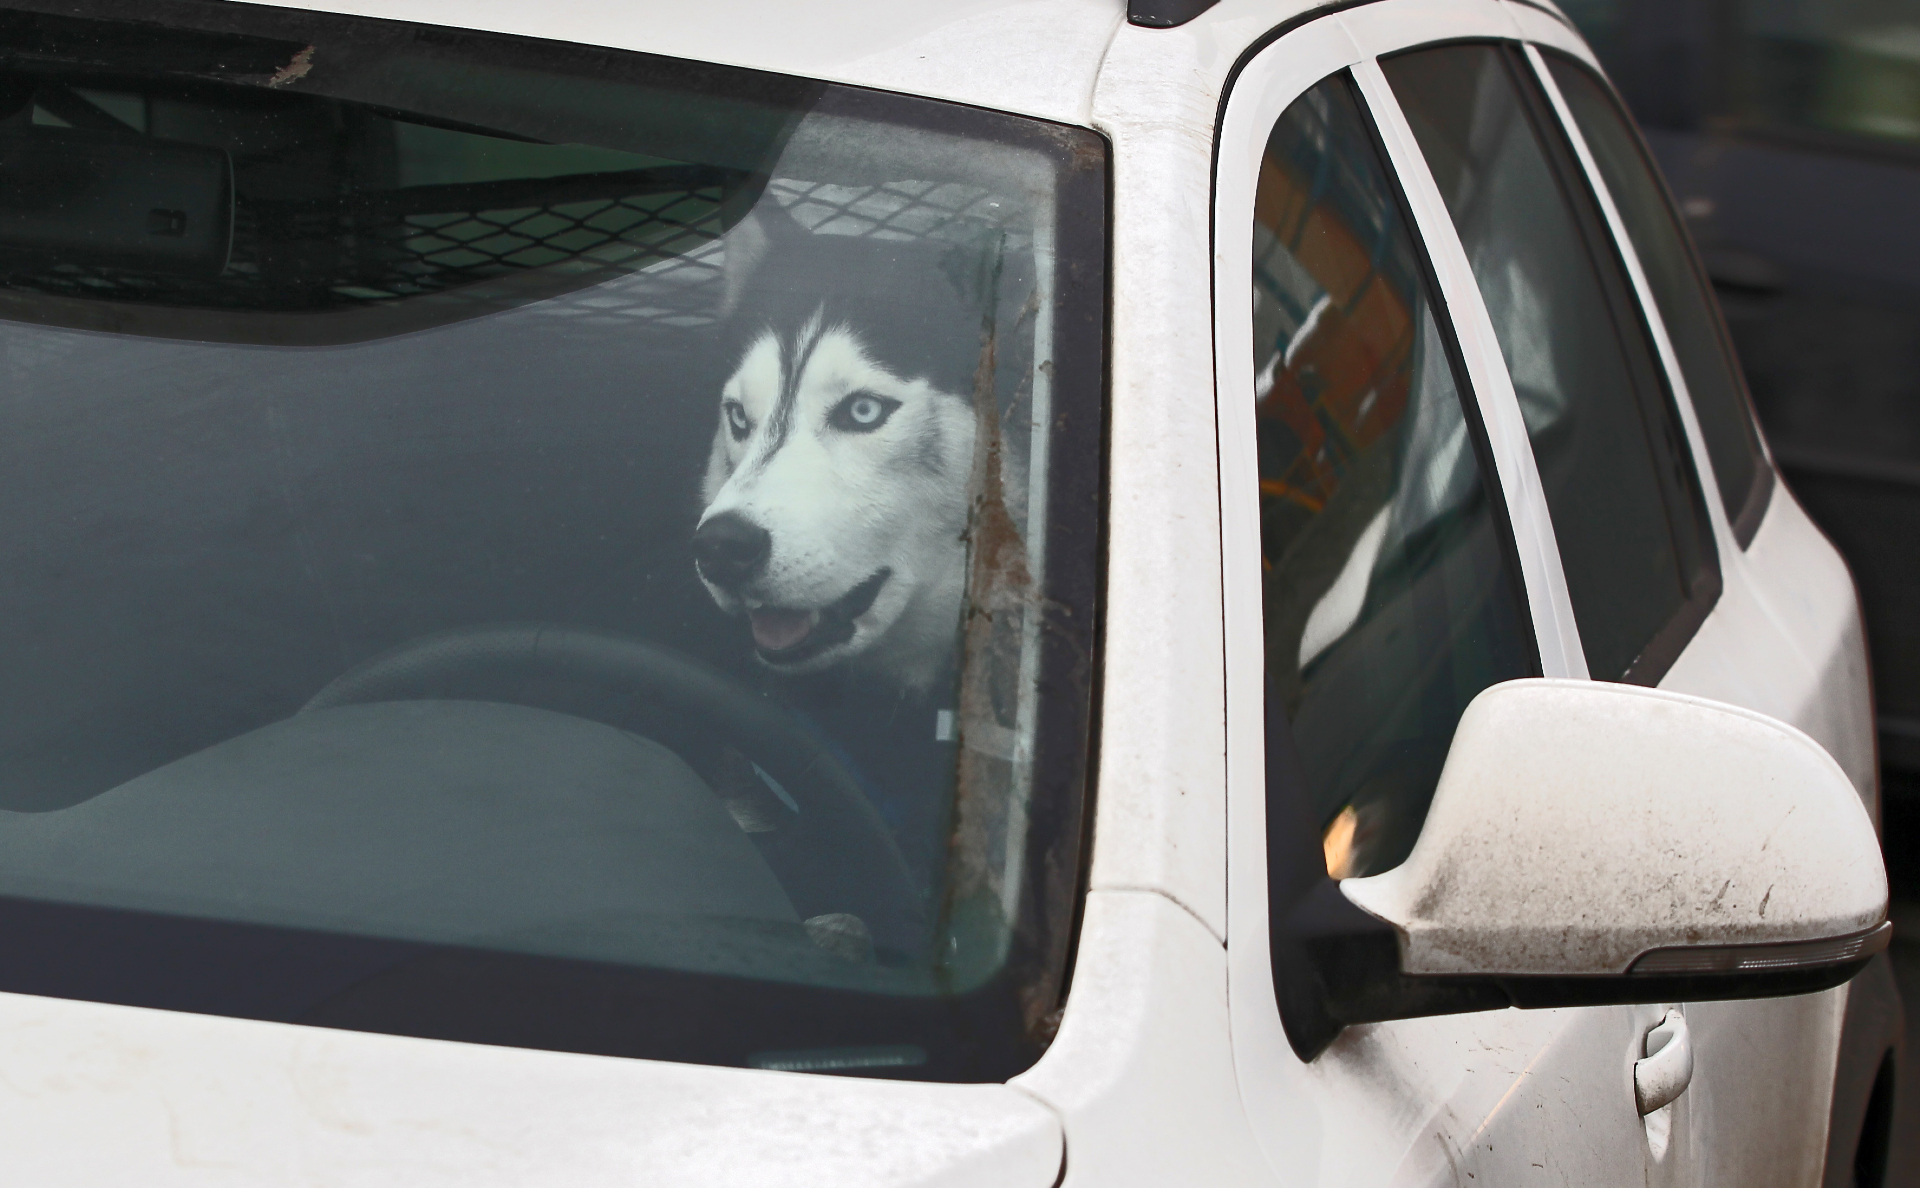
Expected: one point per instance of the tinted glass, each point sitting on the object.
(1625, 505)
(1390, 600)
(1687, 306)
(540, 546)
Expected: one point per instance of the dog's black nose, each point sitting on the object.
(730, 549)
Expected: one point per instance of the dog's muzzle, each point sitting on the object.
(731, 550)
(786, 636)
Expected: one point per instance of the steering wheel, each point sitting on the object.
(851, 862)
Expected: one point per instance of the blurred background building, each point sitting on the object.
(1790, 132)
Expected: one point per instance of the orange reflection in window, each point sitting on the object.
(1346, 373)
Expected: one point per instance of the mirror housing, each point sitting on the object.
(1592, 843)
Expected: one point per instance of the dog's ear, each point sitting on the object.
(972, 266)
(764, 229)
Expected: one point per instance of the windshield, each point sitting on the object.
(528, 544)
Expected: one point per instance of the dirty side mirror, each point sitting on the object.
(1593, 843)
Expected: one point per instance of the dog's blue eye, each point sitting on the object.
(736, 420)
(863, 412)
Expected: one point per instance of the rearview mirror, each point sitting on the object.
(1594, 843)
(108, 200)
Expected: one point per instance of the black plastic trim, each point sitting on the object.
(1253, 50)
(471, 995)
(1096, 638)
(1341, 967)
(1865, 1079)
(1165, 14)
(1780, 955)
(1534, 992)
(1753, 510)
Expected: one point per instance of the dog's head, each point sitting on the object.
(837, 484)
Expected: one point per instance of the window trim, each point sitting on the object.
(1743, 523)
(1705, 583)
(1704, 590)
(1291, 62)
(1297, 872)
(1281, 65)
(1556, 634)
(1473, 413)
(1708, 583)
(1474, 422)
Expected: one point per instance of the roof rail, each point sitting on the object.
(1165, 14)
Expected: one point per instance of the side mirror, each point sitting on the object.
(1593, 843)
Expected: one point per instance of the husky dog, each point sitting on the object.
(837, 488)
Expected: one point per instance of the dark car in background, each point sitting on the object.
(1790, 133)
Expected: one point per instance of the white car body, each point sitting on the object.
(1170, 1065)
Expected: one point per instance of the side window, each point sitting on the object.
(1625, 502)
(1680, 290)
(1390, 595)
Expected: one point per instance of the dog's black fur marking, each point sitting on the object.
(899, 297)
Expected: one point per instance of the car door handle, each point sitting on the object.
(1664, 1073)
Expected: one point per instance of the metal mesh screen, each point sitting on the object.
(629, 248)
(685, 290)
(375, 247)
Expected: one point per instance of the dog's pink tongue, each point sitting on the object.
(778, 630)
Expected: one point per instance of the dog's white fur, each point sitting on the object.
(843, 501)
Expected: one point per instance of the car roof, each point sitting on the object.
(1035, 57)
(1032, 57)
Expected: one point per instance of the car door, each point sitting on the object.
(1627, 401)
(1388, 554)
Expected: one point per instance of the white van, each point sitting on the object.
(1006, 592)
